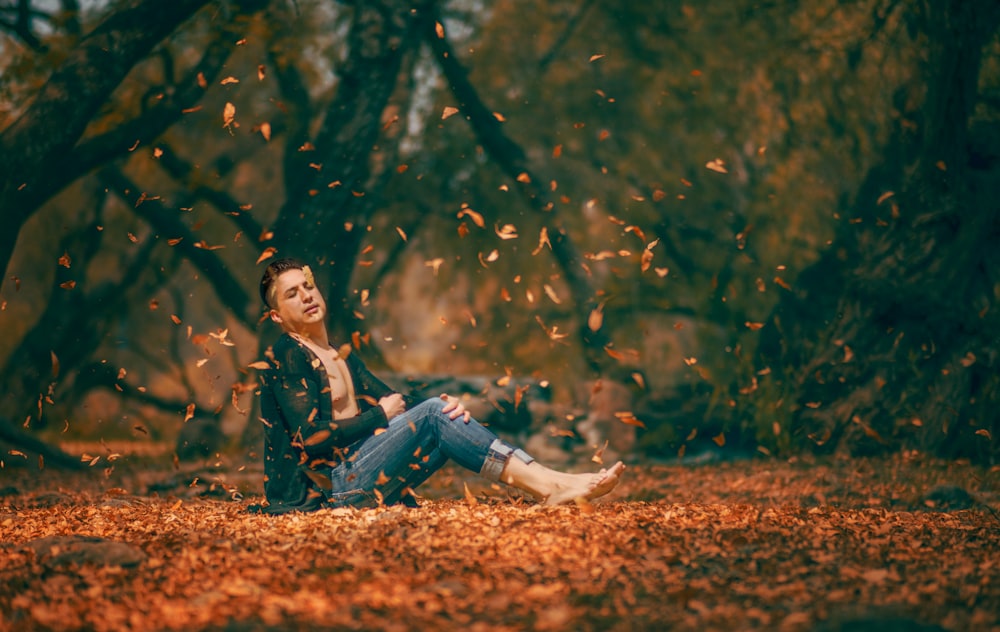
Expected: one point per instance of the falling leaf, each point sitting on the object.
(753, 326)
(543, 240)
(629, 418)
(435, 264)
(177, 321)
(261, 72)
(206, 246)
(983, 432)
(596, 318)
(448, 112)
(720, 439)
(645, 260)
(402, 235)
(594, 58)
(470, 499)
(639, 380)
(189, 412)
(968, 360)
(551, 293)
(717, 165)
(265, 130)
(200, 363)
(260, 365)
(599, 454)
(507, 231)
(268, 252)
(476, 218)
(228, 114)
(229, 80)
(553, 333)
(439, 29)
(524, 178)
(68, 285)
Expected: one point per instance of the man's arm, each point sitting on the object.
(297, 391)
(369, 387)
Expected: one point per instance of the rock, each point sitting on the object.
(947, 498)
(61, 550)
(489, 402)
(603, 399)
(47, 499)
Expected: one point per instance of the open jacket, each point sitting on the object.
(302, 441)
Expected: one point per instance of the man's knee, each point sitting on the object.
(432, 406)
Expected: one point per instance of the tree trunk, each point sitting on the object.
(890, 340)
(325, 216)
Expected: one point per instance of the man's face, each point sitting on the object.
(297, 301)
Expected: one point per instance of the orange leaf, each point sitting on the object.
(717, 165)
(228, 114)
(629, 419)
(269, 252)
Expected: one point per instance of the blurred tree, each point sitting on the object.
(890, 339)
(583, 191)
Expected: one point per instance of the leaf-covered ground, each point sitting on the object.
(833, 545)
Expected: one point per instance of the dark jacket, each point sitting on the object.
(302, 442)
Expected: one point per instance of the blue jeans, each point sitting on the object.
(415, 445)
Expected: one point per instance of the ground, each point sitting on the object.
(902, 543)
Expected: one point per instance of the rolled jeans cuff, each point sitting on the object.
(497, 456)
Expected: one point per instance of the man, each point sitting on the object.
(337, 434)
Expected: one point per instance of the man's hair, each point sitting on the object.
(271, 273)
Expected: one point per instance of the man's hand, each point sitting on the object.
(454, 408)
(392, 405)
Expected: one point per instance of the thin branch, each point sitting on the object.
(512, 160)
(79, 87)
(564, 37)
(227, 288)
(181, 170)
(104, 375)
(25, 441)
(155, 120)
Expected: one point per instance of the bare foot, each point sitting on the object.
(586, 486)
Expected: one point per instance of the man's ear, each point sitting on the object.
(275, 316)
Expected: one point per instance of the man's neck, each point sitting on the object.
(317, 336)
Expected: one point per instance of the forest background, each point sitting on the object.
(766, 227)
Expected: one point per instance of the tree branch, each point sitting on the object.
(227, 288)
(181, 170)
(72, 96)
(512, 160)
